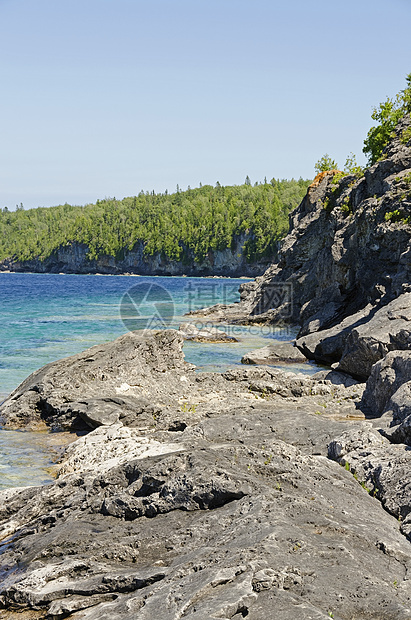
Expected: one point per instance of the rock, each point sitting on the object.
(341, 259)
(362, 339)
(327, 346)
(74, 258)
(228, 520)
(388, 394)
(204, 334)
(388, 329)
(278, 353)
(335, 377)
(223, 504)
(106, 383)
(383, 468)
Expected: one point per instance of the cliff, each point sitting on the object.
(73, 258)
(346, 257)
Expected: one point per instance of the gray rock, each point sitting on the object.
(341, 261)
(231, 521)
(327, 346)
(278, 353)
(101, 385)
(223, 506)
(387, 376)
(204, 333)
(335, 377)
(383, 468)
(74, 258)
(388, 329)
(388, 394)
(362, 339)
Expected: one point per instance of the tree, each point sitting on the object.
(351, 165)
(247, 180)
(325, 163)
(387, 115)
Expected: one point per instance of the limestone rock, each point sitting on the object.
(363, 338)
(229, 521)
(385, 469)
(388, 394)
(277, 353)
(101, 385)
(344, 258)
(204, 334)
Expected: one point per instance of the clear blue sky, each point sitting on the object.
(108, 97)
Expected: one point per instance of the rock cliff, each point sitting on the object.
(343, 272)
(73, 258)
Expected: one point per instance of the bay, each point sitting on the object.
(44, 317)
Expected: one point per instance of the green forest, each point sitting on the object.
(177, 225)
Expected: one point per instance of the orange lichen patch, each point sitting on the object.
(321, 175)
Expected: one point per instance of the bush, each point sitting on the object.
(387, 114)
(325, 163)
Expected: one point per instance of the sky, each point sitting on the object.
(105, 98)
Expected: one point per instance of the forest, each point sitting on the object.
(176, 225)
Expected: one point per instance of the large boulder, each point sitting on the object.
(363, 338)
(276, 353)
(388, 394)
(387, 329)
(101, 384)
(327, 346)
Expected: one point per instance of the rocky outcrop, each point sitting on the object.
(388, 395)
(204, 333)
(224, 505)
(73, 258)
(139, 378)
(341, 268)
(384, 469)
(363, 338)
(128, 379)
(279, 353)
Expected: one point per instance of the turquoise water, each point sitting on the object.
(45, 317)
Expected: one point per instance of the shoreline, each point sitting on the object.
(136, 275)
(240, 470)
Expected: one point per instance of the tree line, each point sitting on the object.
(176, 225)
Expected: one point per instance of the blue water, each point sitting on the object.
(45, 317)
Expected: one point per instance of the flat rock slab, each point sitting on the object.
(231, 522)
(218, 503)
(279, 353)
(204, 334)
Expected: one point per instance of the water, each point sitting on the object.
(45, 317)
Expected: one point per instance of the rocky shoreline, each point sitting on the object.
(256, 493)
(73, 258)
(204, 495)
